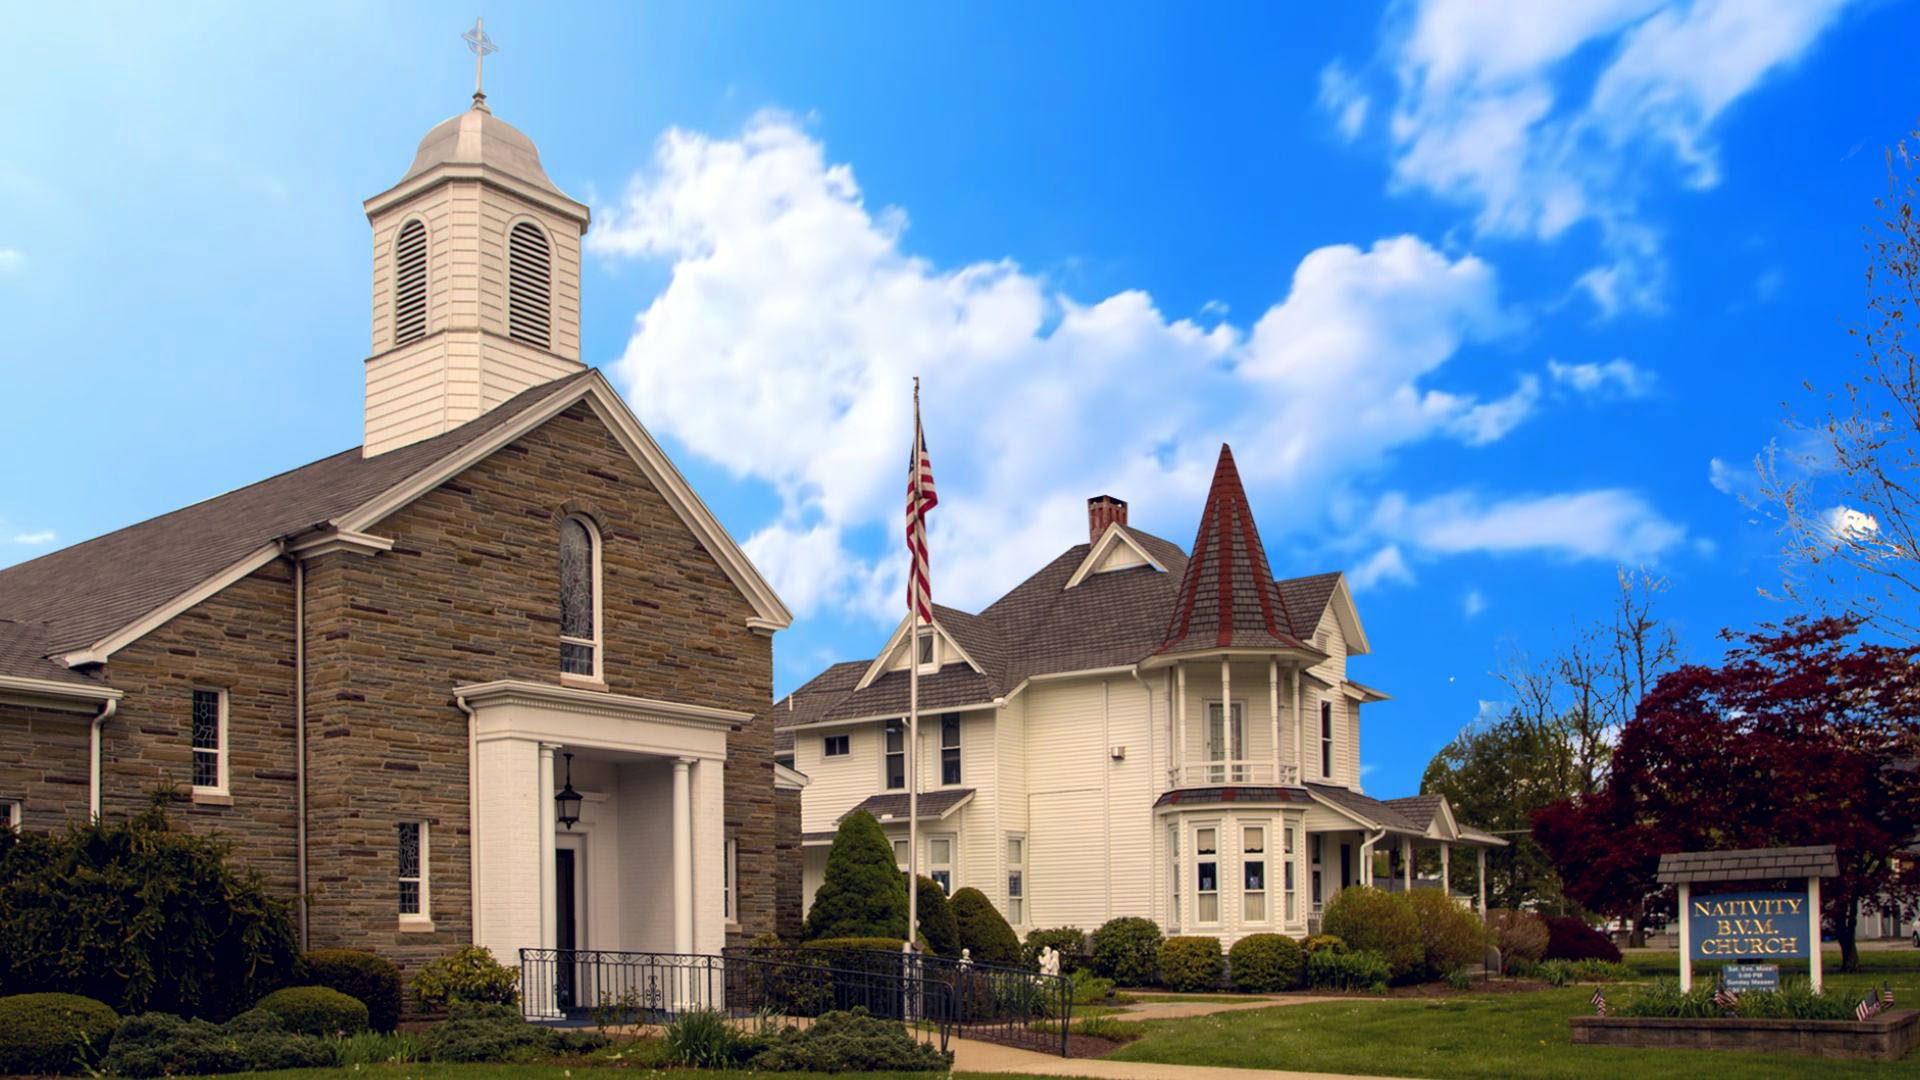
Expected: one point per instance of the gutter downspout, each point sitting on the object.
(473, 819)
(300, 739)
(93, 757)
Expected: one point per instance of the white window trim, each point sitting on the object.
(826, 746)
(958, 747)
(1290, 874)
(729, 875)
(598, 678)
(906, 757)
(1234, 752)
(1017, 867)
(951, 866)
(423, 917)
(1193, 841)
(11, 813)
(1329, 739)
(221, 750)
(931, 638)
(1265, 856)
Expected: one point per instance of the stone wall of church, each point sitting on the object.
(790, 863)
(469, 594)
(43, 765)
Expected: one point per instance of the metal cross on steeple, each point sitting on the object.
(481, 44)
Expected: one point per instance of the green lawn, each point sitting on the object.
(1471, 1036)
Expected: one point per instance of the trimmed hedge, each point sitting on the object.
(1069, 941)
(847, 1042)
(315, 1010)
(369, 977)
(1127, 950)
(1569, 938)
(1363, 970)
(983, 931)
(468, 973)
(1191, 964)
(1265, 963)
(1451, 937)
(53, 1033)
(939, 932)
(161, 1044)
(1370, 919)
(863, 894)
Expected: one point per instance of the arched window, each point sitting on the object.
(579, 598)
(410, 283)
(529, 285)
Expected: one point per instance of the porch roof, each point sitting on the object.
(1238, 793)
(892, 806)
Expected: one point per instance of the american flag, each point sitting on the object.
(1886, 995)
(1867, 1007)
(1599, 1000)
(920, 499)
(1724, 997)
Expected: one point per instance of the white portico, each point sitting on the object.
(643, 869)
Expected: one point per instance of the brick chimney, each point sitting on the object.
(1102, 511)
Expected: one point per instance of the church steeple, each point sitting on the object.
(476, 277)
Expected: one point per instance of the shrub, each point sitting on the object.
(1664, 998)
(486, 1031)
(315, 1010)
(939, 933)
(468, 973)
(702, 1039)
(1191, 963)
(1521, 936)
(1569, 938)
(1459, 979)
(1069, 941)
(1127, 950)
(141, 917)
(376, 1048)
(863, 893)
(1088, 988)
(1451, 937)
(1363, 970)
(53, 1033)
(1373, 920)
(371, 978)
(849, 1042)
(1264, 963)
(1323, 943)
(161, 1044)
(982, 931)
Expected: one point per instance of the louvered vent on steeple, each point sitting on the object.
(410, 283)
(529, 285)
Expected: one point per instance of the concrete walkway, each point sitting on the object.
(1181, 1010)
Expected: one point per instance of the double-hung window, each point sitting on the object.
(1287, 873)
(1326, 738)
(950, 748)
(1253, 873)
(210, 742)
(896, 755)
(900, 854)
(940, 862)
(834, 746)
(10, 813)
(727, 877)
(1206, 875)
(412, 871)
(1017, 880)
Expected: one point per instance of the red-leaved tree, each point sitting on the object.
(1803, 735)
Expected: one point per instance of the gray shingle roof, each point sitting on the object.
(23, 651)
(1748, 864)
(1419, 809)
(78, 595)
(1372, 809)
(893, 804)
(1227, 597)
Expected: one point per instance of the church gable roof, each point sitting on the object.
(85, 598)
(1227, 597)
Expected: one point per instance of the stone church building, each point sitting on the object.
(375, 672)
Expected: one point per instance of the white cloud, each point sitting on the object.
(1473, 603)
(1384, 565)
(34, 539)
(1607, 524)
(783, 345)
(1848, 527)
(1619, 377)
(1344, 97)
(1731, 479)
(1496, 109)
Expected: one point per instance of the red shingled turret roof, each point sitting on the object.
(1227, 597)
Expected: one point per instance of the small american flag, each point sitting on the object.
(920, 499)
(1724, 997)
(1886, 995)
(1599, 1000)
(1867, 1007)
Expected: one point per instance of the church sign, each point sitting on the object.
(1749, 925)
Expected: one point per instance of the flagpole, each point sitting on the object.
(913, 694)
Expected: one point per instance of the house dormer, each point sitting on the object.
(1111, 545)
(937, 651)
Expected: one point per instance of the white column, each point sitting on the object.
(1227, 750)
(1813, 929)
(1482, 852)
(1273, 708)
(1299, 725)
(545, 818)
(682, 855)
(1686, 941)
(1446, 869)
(1180, 718)
(1406, 862)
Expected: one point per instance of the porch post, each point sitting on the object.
(1228, 750)
(1446, 869)
(1483, 883)
(1180, 715)
(1406, 862)
(1273, 707)
(544, 815)
(1299, 725)
(682, 855)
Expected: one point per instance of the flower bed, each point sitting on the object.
(1887, 1037)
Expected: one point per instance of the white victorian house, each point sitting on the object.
(1133, 730)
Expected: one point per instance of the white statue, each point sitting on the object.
(1049, 960)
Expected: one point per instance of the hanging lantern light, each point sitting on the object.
(568, 799)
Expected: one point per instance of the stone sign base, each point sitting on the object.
(1886, 1037)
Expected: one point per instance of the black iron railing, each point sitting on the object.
(1013, 1005)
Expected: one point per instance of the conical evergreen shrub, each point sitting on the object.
(864, 894)
(937, 927)
(983, 931)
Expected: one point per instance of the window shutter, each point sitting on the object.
(410, 283)
(529, 285)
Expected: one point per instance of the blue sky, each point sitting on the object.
(1478, 291)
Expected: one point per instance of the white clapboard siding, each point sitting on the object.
(836, 785)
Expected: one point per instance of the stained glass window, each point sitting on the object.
(410, 867)
(579, 637)
(208, 739)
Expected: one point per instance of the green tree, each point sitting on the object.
(1495, 776)
(983, 931)
(937, 927)
(864, 894)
